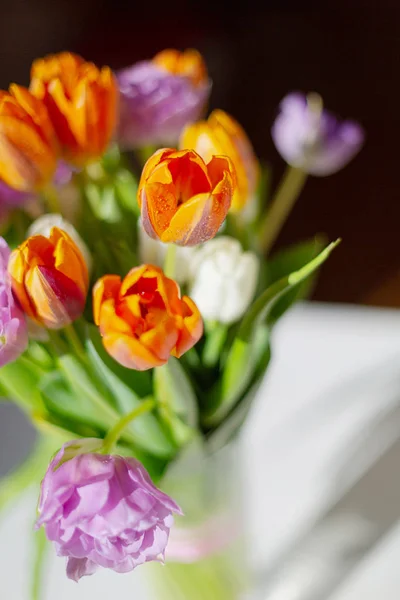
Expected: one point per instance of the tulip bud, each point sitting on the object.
(50, 278)
(82, 103)
(223, 279)
(159, 97)
(28, 146)
(182, 199)
(311, 138)
(13, 329)
(222, 135)
(143, 320)
(45, 223)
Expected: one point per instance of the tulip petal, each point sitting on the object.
(192, 329)
(130, 353)
(68, 259)
(193, 223)
(58, 300)
(106, 287)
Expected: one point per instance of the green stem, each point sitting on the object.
(285, 197)
(170, 261)
(74, 341)
(50, 195)
(115, 432)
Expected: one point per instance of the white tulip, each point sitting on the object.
(44, 224)
(153, 252)
(223, 279)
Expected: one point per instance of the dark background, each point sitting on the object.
(348, 51)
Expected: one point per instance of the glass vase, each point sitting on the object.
(206, 554)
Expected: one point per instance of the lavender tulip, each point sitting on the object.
(311, 138)
(103, 511)
(13, 329)
(156, 105)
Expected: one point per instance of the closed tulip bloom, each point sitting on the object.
(50, 278)
(182, 199)
(103, 511)
(221, 134)
(13, 328)
(143, 320)
(28, 146)
(312, 139)
(45, 223)
(224, 279)
(159, 97)
(82, 104)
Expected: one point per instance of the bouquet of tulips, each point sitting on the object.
(137, 289)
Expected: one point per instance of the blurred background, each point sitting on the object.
(256, 52)
(328, 437)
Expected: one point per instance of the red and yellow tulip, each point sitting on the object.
(221, 134)
(142, 318)
(50, 278)
(182, 199)
(28, 145)
(82, 104)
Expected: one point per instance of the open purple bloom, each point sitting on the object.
(103, 511)
(313, 139)
(13, 328)
(156, 105)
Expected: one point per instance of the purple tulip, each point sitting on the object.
(311, 138)
(156, 105)
(103, 511)
(13, 328)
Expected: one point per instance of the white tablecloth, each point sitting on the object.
(327, 412)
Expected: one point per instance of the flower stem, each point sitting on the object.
(50, 195)
(170, 261)
(74, 341)
(115, 432)
(285, 197)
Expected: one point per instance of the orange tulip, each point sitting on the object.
(50, 278)
(143, 320)
(188, 64)
(82, 103)
(28, 145)
(182, 199)
(221, 134)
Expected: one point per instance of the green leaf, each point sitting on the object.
(176, 400)
(286, 261)
(128, 387)
(19, 380)
(243, 356)
(87, 388)
(139, 381)
(126, 189)
(69, 406)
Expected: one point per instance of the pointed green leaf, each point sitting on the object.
(176, 400)
(19, 380)
(242, 358)
(146, 430)
(286, 261)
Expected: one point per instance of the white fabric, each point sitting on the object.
(334, 377)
